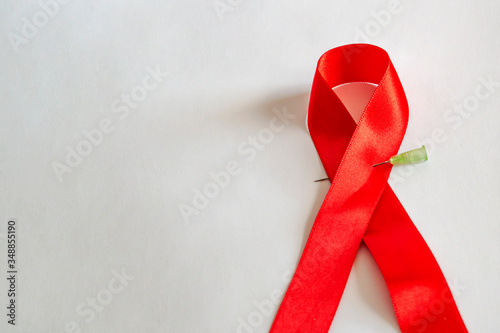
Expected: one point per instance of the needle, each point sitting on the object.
(320, 180)
(409, 157)
(381, 163)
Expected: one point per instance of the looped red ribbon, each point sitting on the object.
(361, 206)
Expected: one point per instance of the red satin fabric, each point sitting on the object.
(360, 205)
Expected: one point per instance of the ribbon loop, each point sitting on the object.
(360, 205)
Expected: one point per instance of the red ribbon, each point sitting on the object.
(361, 206)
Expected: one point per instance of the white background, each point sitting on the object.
(119, 210)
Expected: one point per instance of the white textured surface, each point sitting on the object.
(119, 208)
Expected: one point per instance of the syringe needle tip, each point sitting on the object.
(380, 163)
(320, 180)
